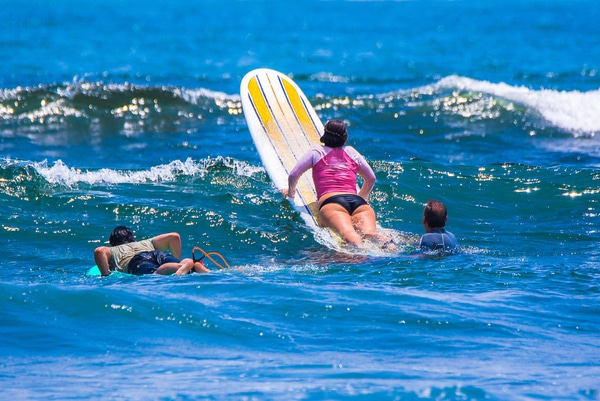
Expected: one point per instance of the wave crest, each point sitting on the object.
(571, 110)
(14, 173)
(97, 103)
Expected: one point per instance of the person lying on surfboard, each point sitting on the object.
(334, 170)
(149, 256)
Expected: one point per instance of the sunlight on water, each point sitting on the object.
(131, 115)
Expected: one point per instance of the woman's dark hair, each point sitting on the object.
(435, 214)
(121, 235)
(335, 135)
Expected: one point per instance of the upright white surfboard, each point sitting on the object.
(284, 125)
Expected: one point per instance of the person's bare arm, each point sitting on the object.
(169, 241)
(103, 258)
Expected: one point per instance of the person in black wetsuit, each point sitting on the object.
(437, 239)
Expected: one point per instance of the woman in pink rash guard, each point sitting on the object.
(334, 169)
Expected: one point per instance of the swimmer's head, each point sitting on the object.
(435, 214)
(335, 134)
(121, 235)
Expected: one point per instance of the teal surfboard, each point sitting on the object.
(95, 271)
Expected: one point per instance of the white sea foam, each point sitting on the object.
(571, 110)
(61, 174)
(193, 95)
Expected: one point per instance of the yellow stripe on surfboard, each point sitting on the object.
(270, 122)
(287, 135)
(305, 186)
(307, 123)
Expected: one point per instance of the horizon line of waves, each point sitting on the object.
(98, 100)
(60, 174)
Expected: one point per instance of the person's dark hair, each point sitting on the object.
(435, 214)
(335, 134)
(121, 235)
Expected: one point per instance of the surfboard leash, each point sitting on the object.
(209, 255)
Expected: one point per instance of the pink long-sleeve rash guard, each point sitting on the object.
(334, 170)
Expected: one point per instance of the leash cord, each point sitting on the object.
(209, 256)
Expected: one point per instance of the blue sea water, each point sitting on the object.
(115, 112)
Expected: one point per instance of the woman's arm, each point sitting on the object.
(305, 162)
(365, 171)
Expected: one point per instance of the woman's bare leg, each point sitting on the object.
(335, 216)
(365, 220)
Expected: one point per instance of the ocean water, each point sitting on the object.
(115, 112)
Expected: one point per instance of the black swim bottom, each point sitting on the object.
(148, 262)
(350, 202)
